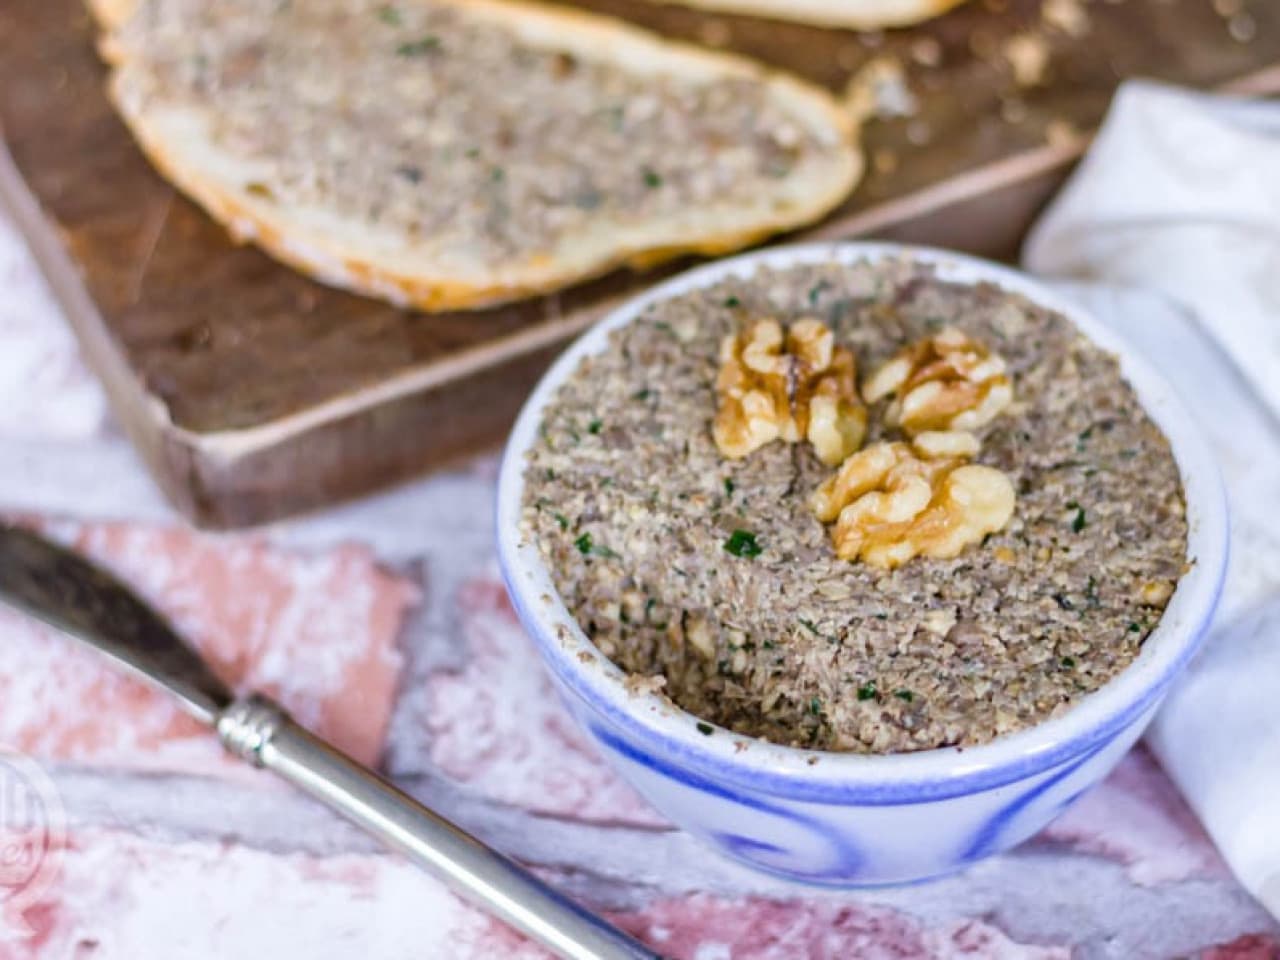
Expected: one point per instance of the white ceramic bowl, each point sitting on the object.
(844, 819)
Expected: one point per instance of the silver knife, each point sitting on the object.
(66, 591)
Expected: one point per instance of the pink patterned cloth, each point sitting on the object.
(383, 624)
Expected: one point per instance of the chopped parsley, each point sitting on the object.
(562, 520)
(742, 543)
(815, 706)
(705, 729)
(809, 625)
(588, 548)
(728, 486)
(419, 48)
(1068, 663)
(1079, 522)
(644, 394)
(1135, 628)
(595, 426)
(867, 691)
(652, 179)
(906, 695)
(732, 302)
(816, 291)
(389, 15)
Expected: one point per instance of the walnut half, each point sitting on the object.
(791, 385)
(890, 505)
(946, 382)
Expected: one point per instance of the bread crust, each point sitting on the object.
(174, 147)
(847, 14)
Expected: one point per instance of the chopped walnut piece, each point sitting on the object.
(940, 444)
(793, 386)
(946, 382)
(889, 505)
(1155, 593)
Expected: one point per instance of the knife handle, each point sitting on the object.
(260, 731)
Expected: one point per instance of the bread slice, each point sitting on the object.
(852, 14)
(452, 154)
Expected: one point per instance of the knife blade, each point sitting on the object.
(74, 596)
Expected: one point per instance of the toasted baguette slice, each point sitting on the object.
(851, 14)
(451, 154)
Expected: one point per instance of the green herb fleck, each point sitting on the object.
(867, 691)
(768, 644)
(1079, 523)
(809, 625)
(728, 486)
(816, 291)
(644, 394)
(664, 327)
(1068, 663)
(732, 302)
(906, 695)
(742, 543)
(652, 179)
(562, 520)
(418, 48)
(705, 729)
(1135, 628)
(587, 547)
(815, 706)
(389, 15)
(595, 426)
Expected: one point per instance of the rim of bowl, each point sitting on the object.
(828, 776)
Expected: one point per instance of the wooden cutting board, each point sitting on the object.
(254, 393)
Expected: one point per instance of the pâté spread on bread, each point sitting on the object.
(857, 508)
(457, 153)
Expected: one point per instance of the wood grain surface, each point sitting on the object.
(253, 392)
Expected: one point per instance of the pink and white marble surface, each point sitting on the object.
(384, 624)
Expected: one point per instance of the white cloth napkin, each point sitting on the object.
(1170, 232)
